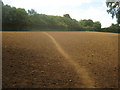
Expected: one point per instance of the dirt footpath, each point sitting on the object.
(60, 60)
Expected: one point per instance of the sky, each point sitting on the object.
(77, 9)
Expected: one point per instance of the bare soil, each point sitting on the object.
(59, 60)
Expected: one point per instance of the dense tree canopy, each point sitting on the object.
(14, 18)
(90, 25)
(20, 19)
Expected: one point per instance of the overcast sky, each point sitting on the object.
(78, 9)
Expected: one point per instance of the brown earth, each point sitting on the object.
(60, 60)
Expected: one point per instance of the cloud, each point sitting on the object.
(46, 3)
(100, 15)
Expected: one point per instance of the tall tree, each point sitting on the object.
(114, 8)
(97, 26)
(67, 16)
(32, 12)
(88, 22)
(14, 18)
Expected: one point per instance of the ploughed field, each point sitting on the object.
(59, 60)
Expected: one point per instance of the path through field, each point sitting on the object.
(60, 60)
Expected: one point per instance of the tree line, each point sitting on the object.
(18, 19)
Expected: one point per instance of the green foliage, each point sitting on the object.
(118, 16)
(86, 23)
(97, 26)
(32, 12)
(114, 10)
(67, 16)
(89, 25)
(14, 18)
(115, 28)
(19, 19)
